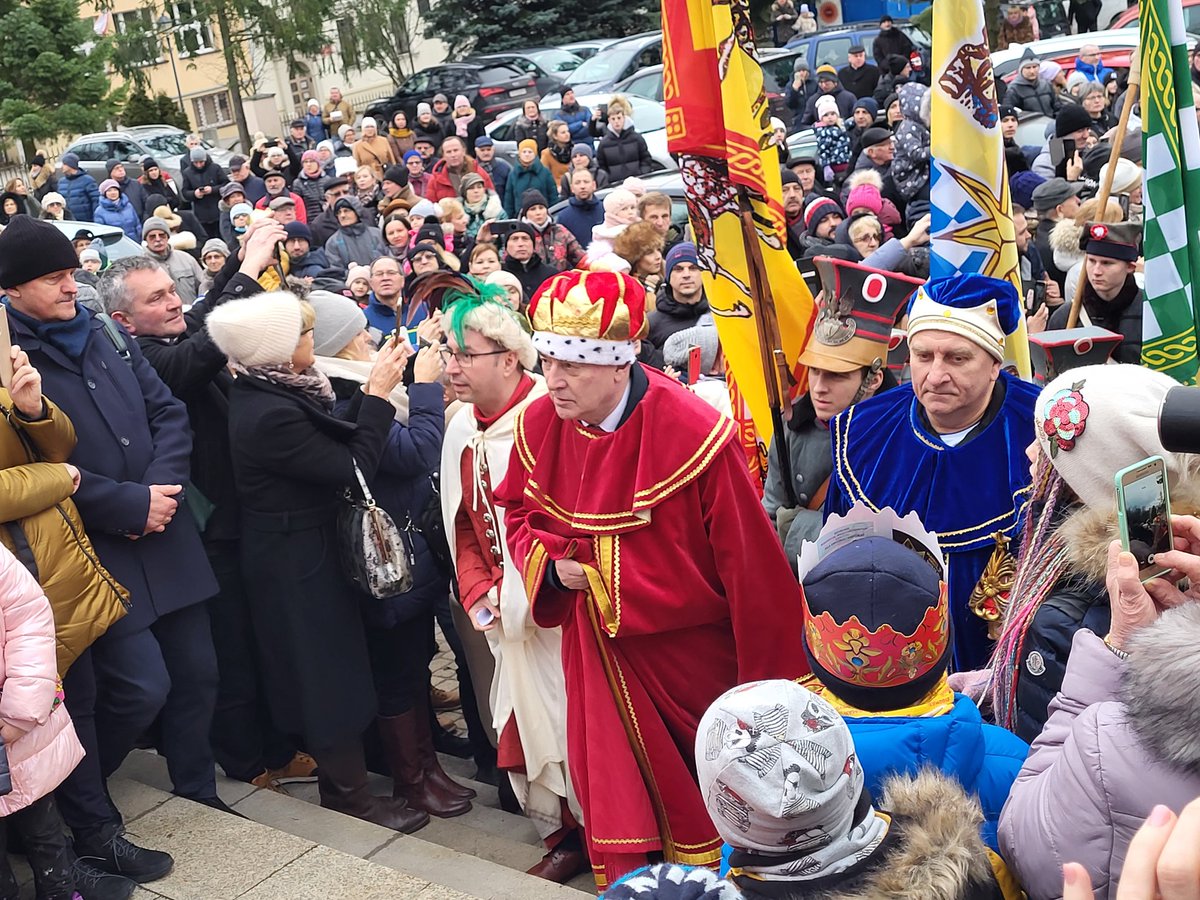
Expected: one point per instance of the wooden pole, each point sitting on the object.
(770, 343)
(1131, 96)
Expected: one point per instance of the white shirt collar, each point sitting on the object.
(613, 419)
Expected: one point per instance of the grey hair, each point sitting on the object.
(113, 295)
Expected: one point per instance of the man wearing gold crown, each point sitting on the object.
(949, 446)
(631, 514)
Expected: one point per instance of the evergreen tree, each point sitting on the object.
(53, 78)
(167, 112)
(139, 109)
(509, 24)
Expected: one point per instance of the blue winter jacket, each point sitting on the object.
(984, 759)
(1096, 71)
(121, 214)
(82, 196)
(580, 123)
(382, 320)
(314, 127)
(579, 217)
(404, 486)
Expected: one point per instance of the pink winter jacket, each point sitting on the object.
(40, 759)
(1121, 738)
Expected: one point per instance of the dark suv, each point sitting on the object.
(492, 88)
(547, 82)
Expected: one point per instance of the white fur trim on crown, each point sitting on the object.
(585, 351)
(978, 324)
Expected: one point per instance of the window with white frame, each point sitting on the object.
(192, 36)
(212, 110)
(143, 46)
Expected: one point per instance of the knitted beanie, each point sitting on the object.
(214, 245)
(1095, 420)
(154, 223)
(354, 273)
(827, 104)
(262, 330)
(777, 769)
(865, 196)
(31, 248)
(339, 321)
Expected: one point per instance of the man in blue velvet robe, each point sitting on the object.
(951, 444)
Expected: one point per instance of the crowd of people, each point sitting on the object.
(394, 318)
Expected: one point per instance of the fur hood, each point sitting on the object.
(1064, 241)
(1161, 686)
(1087, 532)
(937, 855)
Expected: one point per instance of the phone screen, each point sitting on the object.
(6, 367)
(1061, 149)
(1145, 516)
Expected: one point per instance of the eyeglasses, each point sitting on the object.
(307, 331)
(339, 194)
(463, 358)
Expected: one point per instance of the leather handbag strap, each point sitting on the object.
(818, 499)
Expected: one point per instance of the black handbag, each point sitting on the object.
(433, 529)
(373, 551)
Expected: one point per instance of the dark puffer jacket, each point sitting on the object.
(623, 154)
(670, 315)
(1037, 96)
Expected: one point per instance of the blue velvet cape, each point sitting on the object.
(884, 455)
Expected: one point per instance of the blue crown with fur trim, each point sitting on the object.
(982, 309)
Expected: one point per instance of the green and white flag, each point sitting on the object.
(1171, 152)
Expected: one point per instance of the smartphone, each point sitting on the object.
(502, 228)
(1061, 149)
(1123, 201)
(1038, 300)
(6, 367)
(693, 372)
(1144, 513)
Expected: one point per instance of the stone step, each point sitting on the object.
(483, 853)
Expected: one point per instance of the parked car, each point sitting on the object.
(165, 143)
(648, 82)
(669, 183)
(117, 245)
(649, 116)
(556, 60)
(617, 62)
(588, 49)
(547, 82)
(831, 46)
(1116, 50)
(492, 88)
(1129, 17)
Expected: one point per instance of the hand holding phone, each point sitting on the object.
(1144, 514)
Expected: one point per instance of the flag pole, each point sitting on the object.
(1131, 96)
(770, 343)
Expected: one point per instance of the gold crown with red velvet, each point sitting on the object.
(589, 317)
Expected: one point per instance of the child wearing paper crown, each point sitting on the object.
(877, 636)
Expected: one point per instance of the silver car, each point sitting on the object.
(165, 143)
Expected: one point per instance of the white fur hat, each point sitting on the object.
(1095, 420)
(262, 330)
(1126, 178)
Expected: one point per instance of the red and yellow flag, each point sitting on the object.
(719, 123)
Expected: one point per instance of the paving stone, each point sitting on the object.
(472, 875)
(217, 856)
(134, 798)
(326, 874)
(312, 822)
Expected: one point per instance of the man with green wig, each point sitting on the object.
(488, 357)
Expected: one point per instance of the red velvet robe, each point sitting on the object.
(690, 595)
